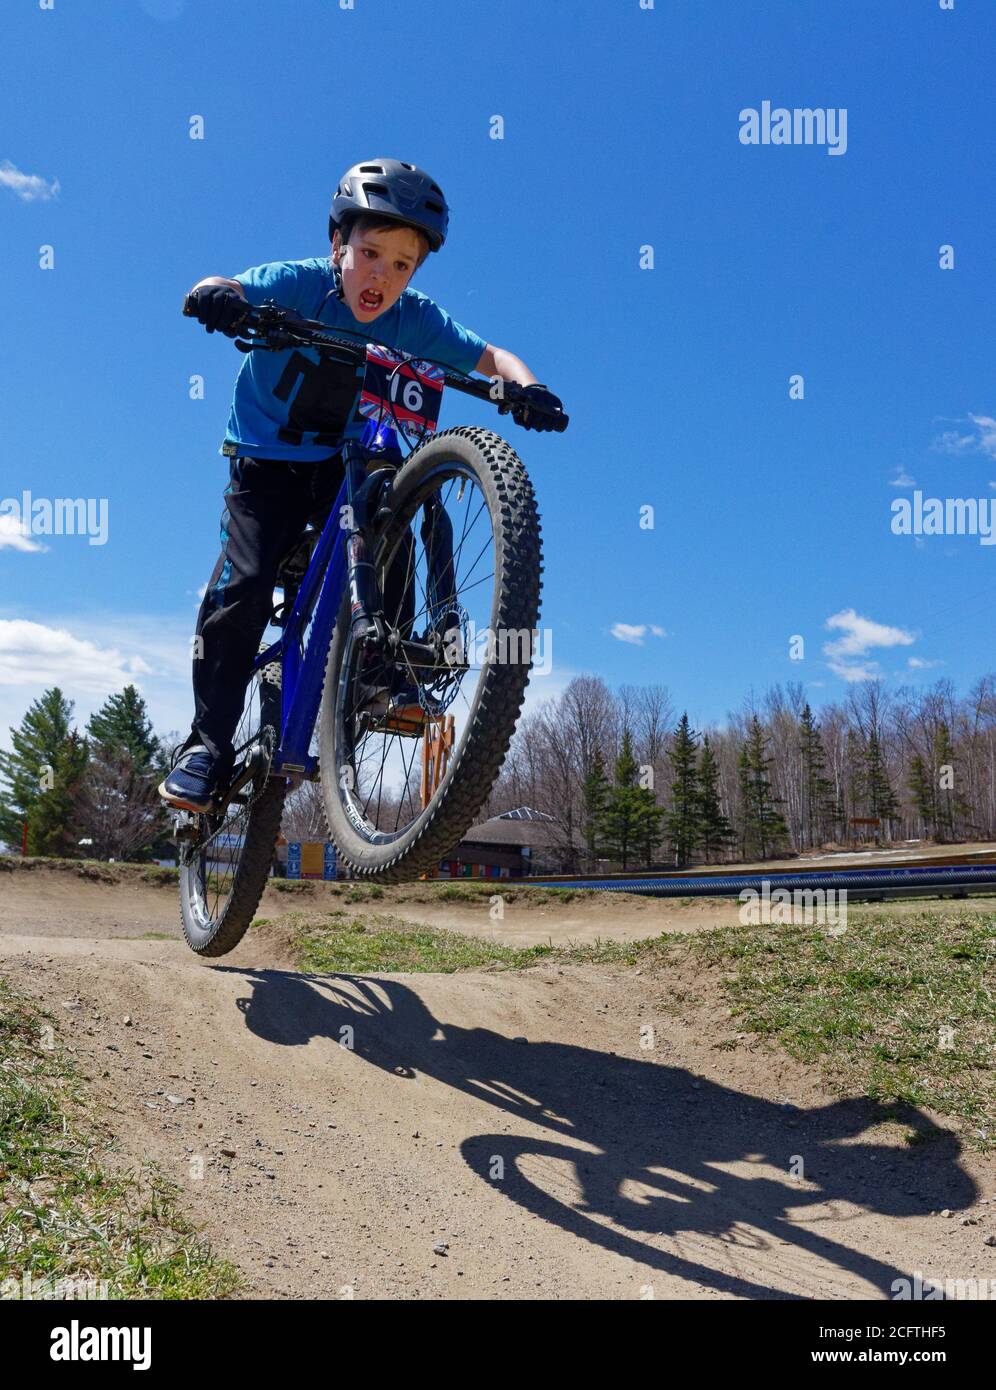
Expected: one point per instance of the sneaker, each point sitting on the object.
(193, 781)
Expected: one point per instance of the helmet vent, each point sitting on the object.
(371, 168)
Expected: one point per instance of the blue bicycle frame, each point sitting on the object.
(320, 595)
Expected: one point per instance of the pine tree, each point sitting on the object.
(53, 826)
(715, 831)
(763, 824)
(947, 802)
(817, 788)
(631, 819)
(683, 823)
(122, 722)
(595, 793)
(31, 764)
(880, 797)
(650, 816)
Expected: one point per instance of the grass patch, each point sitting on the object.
(63, 1215)
(384, 944)
(362, 892)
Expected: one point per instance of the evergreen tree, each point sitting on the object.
(595, 794)
(950, 806)
(53, 826)
(817, 788)
(683, 820)
(880, 797)
(122, 722)
(763, 825)
(715, 831)
(25, 771)
(631, 819)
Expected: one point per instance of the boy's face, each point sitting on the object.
(376, 267)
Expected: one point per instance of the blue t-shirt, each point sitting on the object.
(294, 405)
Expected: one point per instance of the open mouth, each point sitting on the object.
(371, 299)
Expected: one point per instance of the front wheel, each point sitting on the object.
(458, 559)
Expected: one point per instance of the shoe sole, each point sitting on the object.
(172, 799)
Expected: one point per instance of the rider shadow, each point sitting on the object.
(631, 1150)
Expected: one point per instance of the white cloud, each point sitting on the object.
(979, 440)
(92, 659)
(628, 632)
(32, 653)
(902, 479)
(30, 188)
(917, 663)
(861, 635)
(635, 632)
(14, 535)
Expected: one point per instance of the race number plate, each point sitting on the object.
(407, 390)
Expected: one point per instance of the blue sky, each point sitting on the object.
(621, 130)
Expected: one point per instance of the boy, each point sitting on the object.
(289, 416)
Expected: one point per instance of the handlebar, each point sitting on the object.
(269, 328)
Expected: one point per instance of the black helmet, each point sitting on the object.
(395, 191)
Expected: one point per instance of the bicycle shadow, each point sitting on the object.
(636, 1147)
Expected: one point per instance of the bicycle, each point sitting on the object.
(341, 655)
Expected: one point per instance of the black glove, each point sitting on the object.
(218, 308)
(533, 419)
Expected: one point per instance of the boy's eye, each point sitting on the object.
(398, 265)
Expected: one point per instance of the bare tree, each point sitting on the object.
(118, 807)
(304, 813)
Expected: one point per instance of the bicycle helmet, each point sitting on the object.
(394, 191)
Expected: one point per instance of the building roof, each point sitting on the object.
(537, 830)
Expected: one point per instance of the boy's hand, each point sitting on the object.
(218, 308)
(533, 419)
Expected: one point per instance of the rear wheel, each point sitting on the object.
(225, 859)
(468, 487)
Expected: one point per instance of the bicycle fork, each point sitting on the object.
(370, 506)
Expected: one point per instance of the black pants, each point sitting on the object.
(268, 505)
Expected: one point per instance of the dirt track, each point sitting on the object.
(513, 1118)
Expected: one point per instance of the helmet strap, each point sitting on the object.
(336, 271)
